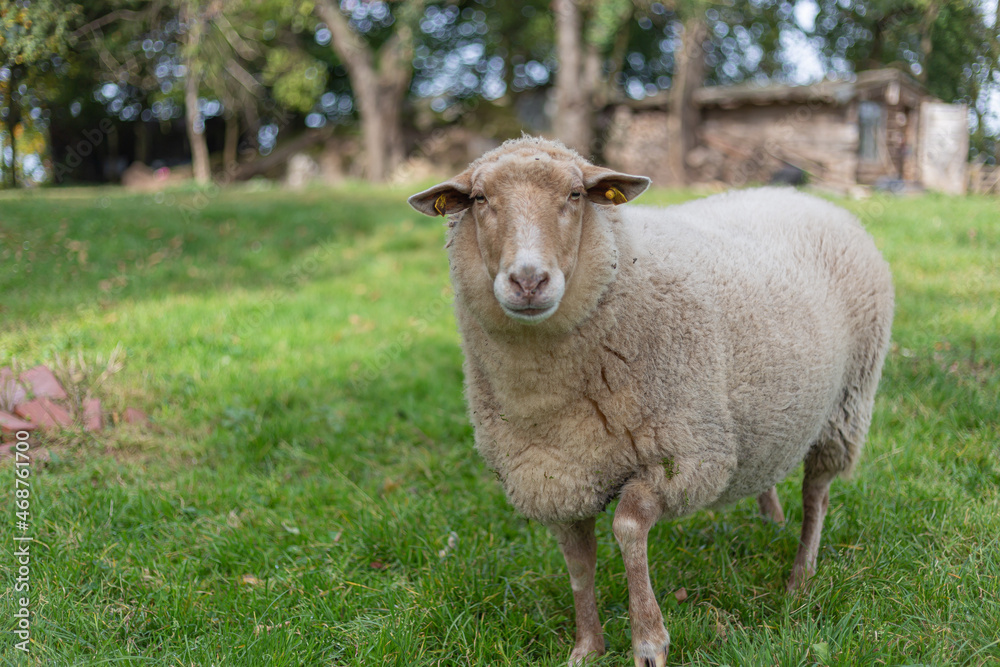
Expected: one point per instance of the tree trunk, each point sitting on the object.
(229, 148)
(373, 130)
(195, 123)
(381, 125)
(8, 174)
(380, 90)
(392, 122)
(591, 79)
(281, 154)
(196, 130)
(926, 39)
(110, 167)
(13, 118)
(251, 122)
(141, 143)
(874, 60)
(617, 56)
(689, 73)
(572, 122)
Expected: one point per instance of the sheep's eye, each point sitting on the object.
(480, 199)
(574, 195)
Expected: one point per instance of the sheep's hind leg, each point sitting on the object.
(637, 511)
(579, 548)
(815, 502)
(770, 506)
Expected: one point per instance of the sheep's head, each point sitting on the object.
(529, 201)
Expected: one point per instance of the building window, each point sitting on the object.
(871, 121)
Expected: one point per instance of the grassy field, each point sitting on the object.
(308, 493)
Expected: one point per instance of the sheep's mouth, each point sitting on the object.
(529, 314)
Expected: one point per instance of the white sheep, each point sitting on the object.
(675, 358)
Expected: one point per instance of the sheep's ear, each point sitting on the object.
(444, 198)
(607, 187)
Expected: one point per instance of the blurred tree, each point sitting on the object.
(689, 75)
(214, 52)
(573, 118)
(193, 16)
(586, 33)
(231, 51)
(33, 36)
(122, 62)
(475, 51)
(128, 68)
(131, 59)
(230, 45)
(297, 79)
(946, 44)
(142, 52)
(745, 41)
(606, 46)
(379, 62)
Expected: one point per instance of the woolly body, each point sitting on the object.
(705, 349)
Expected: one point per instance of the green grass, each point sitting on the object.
(310, 456)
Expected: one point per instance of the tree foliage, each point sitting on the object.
(33, 39)
(946, 44)
(31, 33)
(65, 67)
(297, 79)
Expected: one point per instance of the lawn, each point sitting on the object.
(308, 493)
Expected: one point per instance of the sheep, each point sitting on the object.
(675, 358)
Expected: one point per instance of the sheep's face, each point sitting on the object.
(529, 209)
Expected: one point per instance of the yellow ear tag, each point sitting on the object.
(616, 196)
(441, 205)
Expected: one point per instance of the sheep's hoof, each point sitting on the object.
(648, 655)
(799, 579)
(584, 653)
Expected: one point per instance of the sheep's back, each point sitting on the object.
(795, 292)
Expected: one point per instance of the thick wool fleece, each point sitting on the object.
(705, 349)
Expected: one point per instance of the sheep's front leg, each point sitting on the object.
(579, 548)
(637, 511)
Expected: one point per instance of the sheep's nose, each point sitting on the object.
(529, 279)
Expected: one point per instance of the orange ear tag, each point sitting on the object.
(616, 196)
(441, 205)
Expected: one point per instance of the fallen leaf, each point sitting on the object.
(250, 580)
(821, 651)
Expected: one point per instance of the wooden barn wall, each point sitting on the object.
(901, 108)
(638, 143)
(749, 143)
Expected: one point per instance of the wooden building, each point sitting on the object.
(882, 127)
